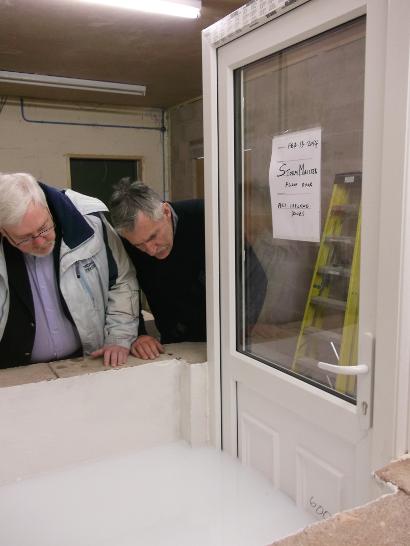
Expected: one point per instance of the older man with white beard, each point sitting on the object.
(67, 287)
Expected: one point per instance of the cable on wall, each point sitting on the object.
(164, 189)
(82, 124)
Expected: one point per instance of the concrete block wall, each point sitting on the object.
(44, 149)
(186, 144)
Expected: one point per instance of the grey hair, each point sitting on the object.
(17, 192)
(131, 198)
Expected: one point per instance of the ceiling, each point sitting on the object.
(74, 39)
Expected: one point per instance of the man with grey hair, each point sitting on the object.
(166, 243)
(67, 287)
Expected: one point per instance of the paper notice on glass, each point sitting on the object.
(294, 181)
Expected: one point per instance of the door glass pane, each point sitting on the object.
(298, 163)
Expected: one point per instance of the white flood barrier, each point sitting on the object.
(55, 423)
(119, 457)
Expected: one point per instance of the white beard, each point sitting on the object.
(48, 250)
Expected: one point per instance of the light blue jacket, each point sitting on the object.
(96, 278)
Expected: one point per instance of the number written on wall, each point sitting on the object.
(318, 509)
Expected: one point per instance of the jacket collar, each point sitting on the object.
(73, 227)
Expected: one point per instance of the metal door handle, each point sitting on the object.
(344, 370)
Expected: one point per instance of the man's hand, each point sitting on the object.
(146, 347)
(114, 355)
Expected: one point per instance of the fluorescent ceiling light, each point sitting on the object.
(71, 83)
(180, 8)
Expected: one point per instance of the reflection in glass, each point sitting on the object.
(310, 311)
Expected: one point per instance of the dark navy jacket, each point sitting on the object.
(175, 287)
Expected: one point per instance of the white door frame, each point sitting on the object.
(391, 388)
(386, 150)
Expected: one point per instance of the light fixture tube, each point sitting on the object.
(190, 9)
(71, 83)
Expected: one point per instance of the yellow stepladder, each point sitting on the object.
(350, 338)
(329, 328)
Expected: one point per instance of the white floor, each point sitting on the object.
(167, 496)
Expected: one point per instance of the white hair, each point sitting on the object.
(17, 192)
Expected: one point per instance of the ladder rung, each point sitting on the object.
(345, 239)
(325, 335)
(338, 271)
(329, 302)
(348, 178)
(347, 208)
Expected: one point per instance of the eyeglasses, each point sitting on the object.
(28, 240)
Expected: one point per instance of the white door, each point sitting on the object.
(300, 111)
